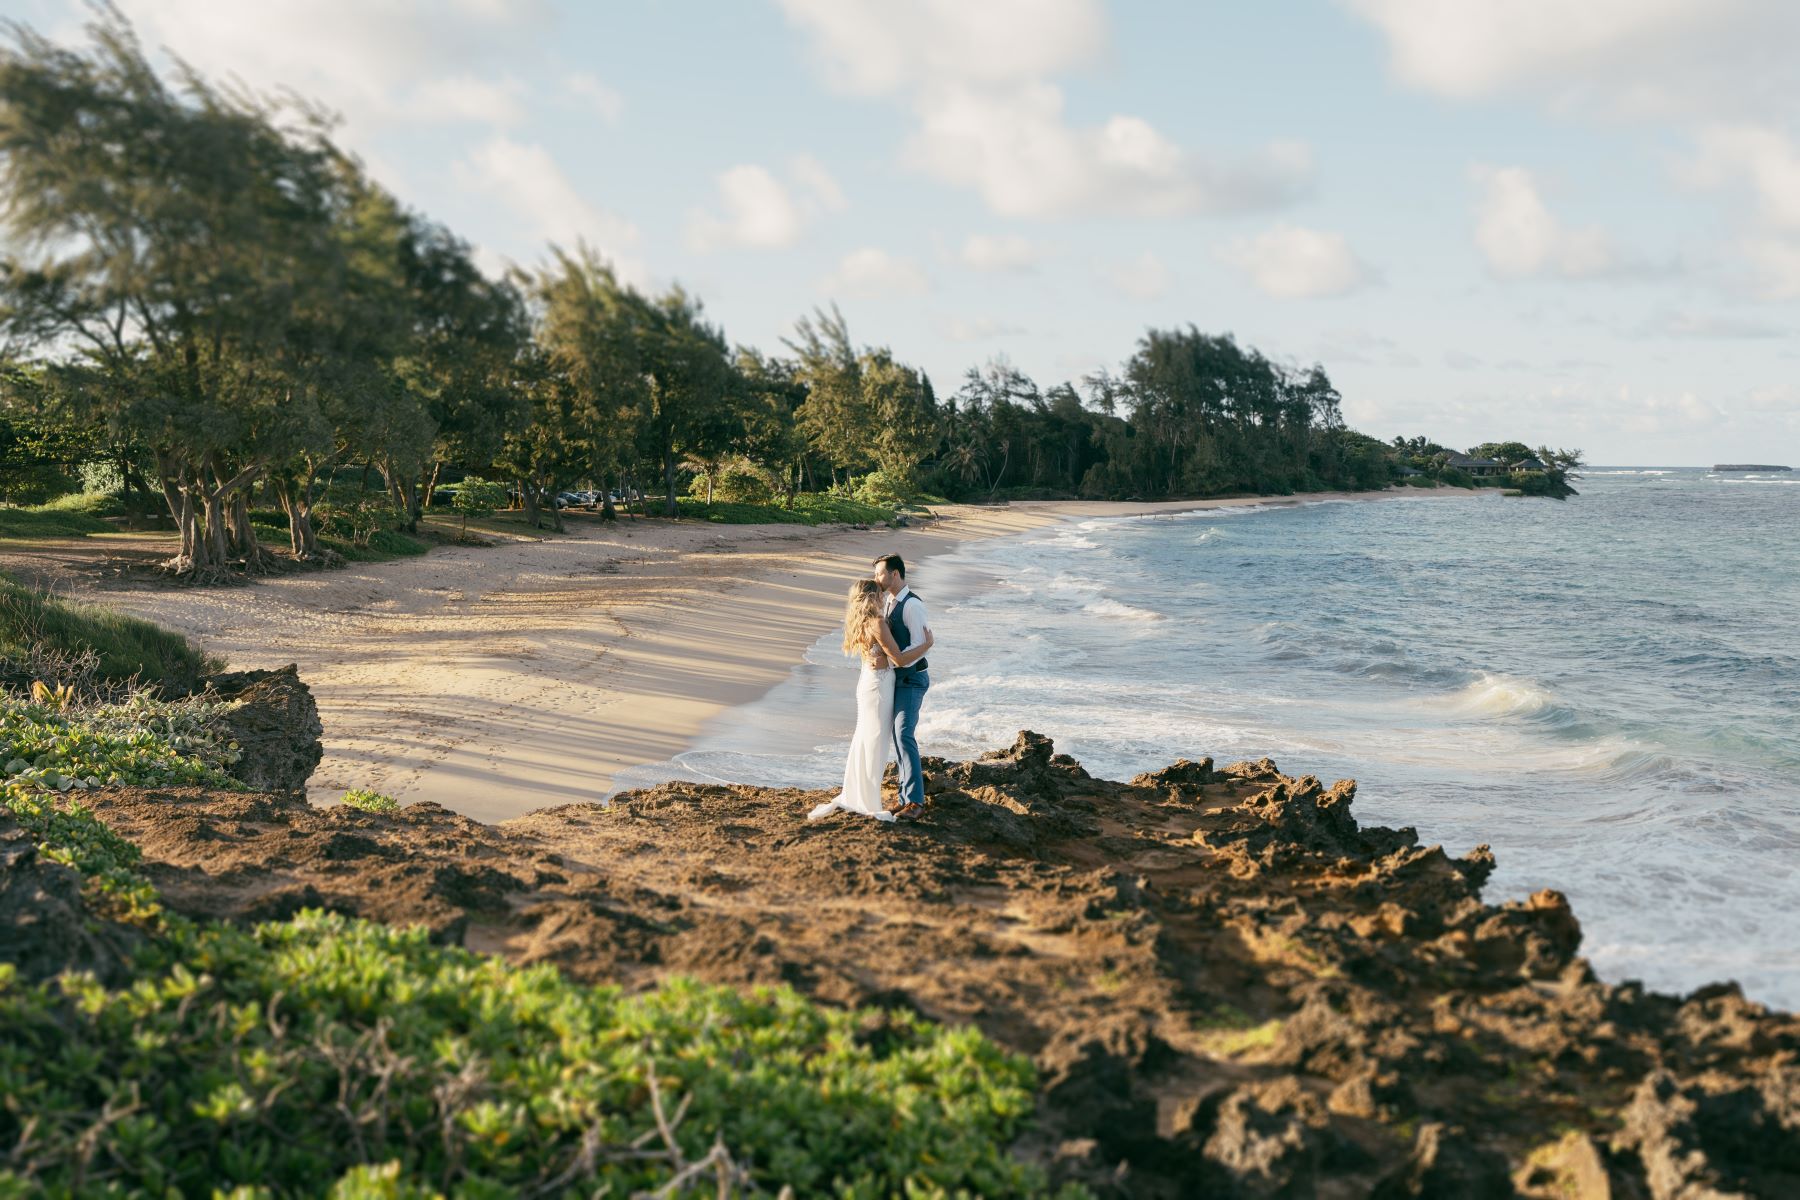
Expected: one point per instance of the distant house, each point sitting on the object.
(1474, 466)
(1410, 472)
(1530, 463)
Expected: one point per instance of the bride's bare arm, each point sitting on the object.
(897, 656)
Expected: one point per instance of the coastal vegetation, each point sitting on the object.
(323, 1052)
(214, 317)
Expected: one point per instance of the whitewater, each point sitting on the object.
(1605, 690)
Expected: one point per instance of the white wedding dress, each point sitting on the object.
(869, 747)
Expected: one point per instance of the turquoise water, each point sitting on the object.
(1605, 690)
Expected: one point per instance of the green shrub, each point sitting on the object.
(738, 486)
(888, 489)
(476, 498)
(368, 801)
(296, 1053)
(31, 623)
(810, 508)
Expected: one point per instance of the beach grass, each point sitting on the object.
(33, 624)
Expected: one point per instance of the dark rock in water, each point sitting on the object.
(45, 925)
(1227, 984)
(275, 722)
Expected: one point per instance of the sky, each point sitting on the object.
(1569, 224)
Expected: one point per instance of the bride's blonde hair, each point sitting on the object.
(861, 612)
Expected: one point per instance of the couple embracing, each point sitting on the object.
(885, 624)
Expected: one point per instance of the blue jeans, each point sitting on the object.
(909, 695)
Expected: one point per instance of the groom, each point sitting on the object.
(906, 620)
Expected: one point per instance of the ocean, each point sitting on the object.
(1606, 690)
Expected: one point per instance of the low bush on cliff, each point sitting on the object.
(33, 626)
(50, 754)
(326, 1048)
(368, 801)
(141, 742)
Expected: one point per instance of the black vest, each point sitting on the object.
(902, 638)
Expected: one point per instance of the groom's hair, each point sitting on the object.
(892, 562)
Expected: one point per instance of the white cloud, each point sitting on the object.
(988, 118)
(1520, 238)
(526, 179)
(1617, 57)
(977, 329)
(873, 272)
(1016, 149)
(605, 101)
(810, 175)
(1773, 266)
(1289, 262)
(871, 48)
(1363, 347)
(1685, 324)
(761, 211)
(758, 212)
(1145, 277)
(396, 62)
(999, 252)
(1763, 159)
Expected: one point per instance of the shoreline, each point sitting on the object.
(501, 680)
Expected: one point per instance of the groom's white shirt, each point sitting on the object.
(913, 614)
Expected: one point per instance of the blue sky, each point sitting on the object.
(1573, 224)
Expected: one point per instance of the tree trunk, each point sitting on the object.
(437, 469)
(528, 499)
(669, 479)
(550, 489)
(606, 503)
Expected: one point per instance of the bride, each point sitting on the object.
(866, 633)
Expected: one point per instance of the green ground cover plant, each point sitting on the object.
(332, 1055)
(285, 1056)
(375, 802)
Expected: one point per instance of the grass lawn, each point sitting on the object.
(75, 515)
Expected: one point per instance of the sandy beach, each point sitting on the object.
(500, 679)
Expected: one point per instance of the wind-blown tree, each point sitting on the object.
(594, 330)
(463, 333)
(166, 241)
(550, 448)
(862, 410)
(769, 396)
(904, 424)
(835, 415)
(689, 372)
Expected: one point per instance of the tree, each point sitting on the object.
(476, 498)
(834, 415)
(595, 331)
(903, 417)
(170, 244)
(689, 374)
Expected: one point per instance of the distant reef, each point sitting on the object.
(1749, 467)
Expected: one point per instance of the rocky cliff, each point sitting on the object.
(1229, 987)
